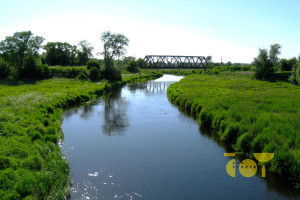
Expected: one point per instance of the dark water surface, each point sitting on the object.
(134, 144)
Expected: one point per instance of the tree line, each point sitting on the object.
(267, 63)
(20, 56)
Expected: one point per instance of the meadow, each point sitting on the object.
(31, 162)
(252, 116)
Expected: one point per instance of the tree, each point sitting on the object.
(132, 67)
(295, 76)
(22, 44)
(228, 63)
(141, 63)
(287, 64)
(85, 52)
(264, 68)
(209, 60)
(58, 53)
(274, 53)
(114, 47)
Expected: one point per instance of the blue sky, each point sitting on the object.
(233, 29)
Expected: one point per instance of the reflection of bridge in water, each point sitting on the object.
(153, 87)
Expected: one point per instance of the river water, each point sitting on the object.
(134, 144)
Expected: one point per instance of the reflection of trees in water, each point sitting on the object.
(87, 110)
(151, 87)
(115, 114)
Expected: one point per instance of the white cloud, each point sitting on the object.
(145, 39)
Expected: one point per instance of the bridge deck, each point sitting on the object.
(175, 62)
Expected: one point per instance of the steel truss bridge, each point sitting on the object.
(175, 62)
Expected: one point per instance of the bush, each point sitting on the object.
(4, 163)
(112, 74)
(264, 68)
(31, 70)
(92, 64)
(133, 67)
(244, 142)
(4, 69)
(67, 72)
(287, 65)
(94, 73)
(34, 163)
(295, 76)
(82, 76)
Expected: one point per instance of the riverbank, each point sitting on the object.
(31, 162)
(251, 115)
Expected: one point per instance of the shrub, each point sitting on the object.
(4, 69)
(51, 138)
(94, 73)
(82, 76)
(33, 163)
(133, 67)
(35, 135)
(51, 131)
(287, 65)
(31, 70)
(264, 68)
(112, 74)
(92, 64)
(4, 163)
(67, 72)
(7, 178)
(244, 142)
(295, 76)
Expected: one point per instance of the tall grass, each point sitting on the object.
(251, 115)
(31, 163)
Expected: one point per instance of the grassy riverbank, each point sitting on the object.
(251, 115)
(31, 163)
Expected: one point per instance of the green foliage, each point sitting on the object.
(244, 142)
(31, 70)
(252, 115)
(94, 74)
(274, 53)
(140, 63)
(4, 163)
(58, 53)
(4, 69)
(264, 67)
(19, 46)
(31, 162)
(133, 67)
(112, 74)
(114, 47)
(85, 52)
(67, 72)
(295, 76)
(92, 64)
(287, 64)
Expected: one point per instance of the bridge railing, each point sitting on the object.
(163, 61)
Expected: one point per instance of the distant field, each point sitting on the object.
(251, 115)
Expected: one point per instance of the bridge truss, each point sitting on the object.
(175, 62)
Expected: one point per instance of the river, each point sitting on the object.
(135, 144)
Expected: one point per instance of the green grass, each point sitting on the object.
(66, 72)
(251, 115)
(31, 162)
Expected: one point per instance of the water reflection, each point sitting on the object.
(115, 114)
(162, 155)
(151, 88)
